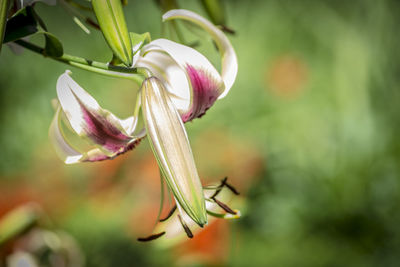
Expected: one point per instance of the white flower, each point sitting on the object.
(181, 85)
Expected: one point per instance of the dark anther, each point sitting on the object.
(151, 237)
(169, 214)
(226, 29)
(224, 206)
(92, 23)
(231, 188)
(186, 228)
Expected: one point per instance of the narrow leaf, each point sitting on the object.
(138, 40)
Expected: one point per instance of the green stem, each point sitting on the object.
(3, 19)
(89, 65)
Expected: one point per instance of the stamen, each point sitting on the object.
(224, 206)
(169, 214)
(220, 187)
(211, 187)
(151, 237)
(232, 188)
(92, 23)
(185, 227)
(229, 186)
(226, 29)
(227, 216)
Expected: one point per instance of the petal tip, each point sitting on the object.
(73, 159)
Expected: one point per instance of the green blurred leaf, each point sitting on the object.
(166, 5)
(139, 40)
(17, 221)
(215, 10)
(112, 23)
(3, 19)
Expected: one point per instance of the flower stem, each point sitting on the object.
(89, 65)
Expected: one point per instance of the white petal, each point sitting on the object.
(63, 149)
(171, 75)
(229, 59)
(89, 120)
(71, 155)
(186, 56)
(206, 85)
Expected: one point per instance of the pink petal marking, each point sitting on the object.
(205, 92)
(97, 158)
(103, 132)
(101, 157)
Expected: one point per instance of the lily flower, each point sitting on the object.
(192, 82)
(181, 85)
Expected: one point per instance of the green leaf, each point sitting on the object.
(26, 22)
(3, 19)
(53, 47)
(112, 23)
(22, 24)
(17, 221)
(139, 40)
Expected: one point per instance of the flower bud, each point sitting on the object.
(113, 26)
(171, 148)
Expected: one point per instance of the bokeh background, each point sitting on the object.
(309, 134)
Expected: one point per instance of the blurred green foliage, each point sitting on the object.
(317, 93)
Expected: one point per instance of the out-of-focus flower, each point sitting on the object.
(40, 247)
(28, 244)
(181, 85)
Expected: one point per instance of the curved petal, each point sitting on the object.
(71, 155)
(88, 119)
(205, 82)
(229, 59)
(63, 149)
(171, 75)
(171, 148)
